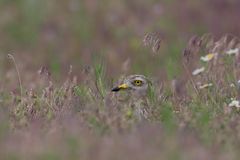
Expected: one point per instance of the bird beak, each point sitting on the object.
(118, 88)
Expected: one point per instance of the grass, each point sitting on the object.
(61, 114)
(86, 120)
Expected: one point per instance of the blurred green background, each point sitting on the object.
(59, 33)
(86, 34)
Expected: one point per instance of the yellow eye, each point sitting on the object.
(138, 82)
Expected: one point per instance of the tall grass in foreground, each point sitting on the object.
(190, 119)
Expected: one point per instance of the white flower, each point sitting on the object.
(205, 86)
(233, 51)
(232, 85)
(234, 103)
(208, 57)
(198, 71)
(238, 82)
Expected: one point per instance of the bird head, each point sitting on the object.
(137, 84)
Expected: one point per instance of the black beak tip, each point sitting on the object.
(115, 89)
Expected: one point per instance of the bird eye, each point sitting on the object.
(138, 82)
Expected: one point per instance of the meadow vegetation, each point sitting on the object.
(57, 73)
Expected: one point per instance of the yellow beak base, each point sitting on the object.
(118, 88)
